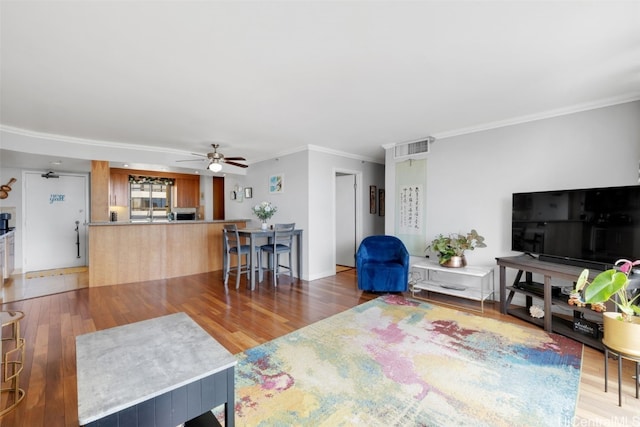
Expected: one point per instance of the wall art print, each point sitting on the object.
(372, 199)
(276, 184)
(410, 203)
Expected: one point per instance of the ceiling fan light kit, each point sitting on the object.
(216, 159)
(214, 166)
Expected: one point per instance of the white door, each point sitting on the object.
(345, 220)
(55, 221)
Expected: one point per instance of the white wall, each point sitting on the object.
(307, 200)
(291, 202)
(470, 178)
(322, 168)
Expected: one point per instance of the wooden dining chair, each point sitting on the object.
(234, 246)
(281, 243)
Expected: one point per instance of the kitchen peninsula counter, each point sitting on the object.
(126, 252)
(197, 221)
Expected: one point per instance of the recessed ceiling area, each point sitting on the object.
(266, 78)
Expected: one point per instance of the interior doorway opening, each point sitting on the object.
(347, 218)
(218, 197)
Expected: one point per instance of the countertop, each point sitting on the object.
(120, 367)
(213, 221)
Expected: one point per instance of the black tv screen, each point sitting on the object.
(586, 227)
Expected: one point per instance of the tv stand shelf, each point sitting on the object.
(552, 322)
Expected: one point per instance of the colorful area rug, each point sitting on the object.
(399, 362)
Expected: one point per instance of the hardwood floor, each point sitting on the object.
(239, 319)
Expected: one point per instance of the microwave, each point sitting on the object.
(180, 216)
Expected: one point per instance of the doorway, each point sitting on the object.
(348, 227)
(55, 221)
(218, 197)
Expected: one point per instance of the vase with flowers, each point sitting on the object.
(264, 211)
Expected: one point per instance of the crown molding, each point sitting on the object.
(128, 146)
(578, 108)
(608, 102)
(89, 142)
(325, 150)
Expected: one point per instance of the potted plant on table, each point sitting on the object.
(621, 329)
(450, 249)
(264, 211)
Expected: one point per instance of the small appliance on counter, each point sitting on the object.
(4, 223)
(184, 216)
(114, 216)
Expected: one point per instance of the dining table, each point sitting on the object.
(256, 233)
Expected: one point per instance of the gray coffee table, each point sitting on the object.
(158, 372)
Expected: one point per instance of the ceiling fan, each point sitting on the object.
(217, 159)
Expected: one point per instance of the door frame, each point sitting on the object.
(85, 224)
(217, 196)
(358, 194)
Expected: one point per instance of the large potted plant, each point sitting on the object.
(621, 329)
(451, 248)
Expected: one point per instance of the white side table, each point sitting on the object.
(475, 283)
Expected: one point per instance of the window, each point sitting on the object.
(150, 202)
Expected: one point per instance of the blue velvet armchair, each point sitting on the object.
(382, 264)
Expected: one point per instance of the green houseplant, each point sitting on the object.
(621, 330)
(451, 248)
(610, 285)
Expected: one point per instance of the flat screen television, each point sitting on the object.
(590, 228)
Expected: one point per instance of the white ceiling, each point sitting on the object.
(265, 78)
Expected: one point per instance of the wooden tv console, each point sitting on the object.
(549, 270)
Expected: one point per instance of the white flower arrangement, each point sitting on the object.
(264, 210)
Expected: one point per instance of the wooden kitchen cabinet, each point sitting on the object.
(118, 189)
(186, 192)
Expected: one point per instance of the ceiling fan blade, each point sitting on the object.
(236, 158)
(199, 154)
(191, 160)
(240, 165)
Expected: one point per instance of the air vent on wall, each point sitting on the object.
(413, 149)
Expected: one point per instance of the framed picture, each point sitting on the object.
(276, 184)
(372, 199)
(381, 202)
(248, 193)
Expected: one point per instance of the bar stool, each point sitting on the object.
(281, 243)
(12, 358)
(621, 355)
(234, 246)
